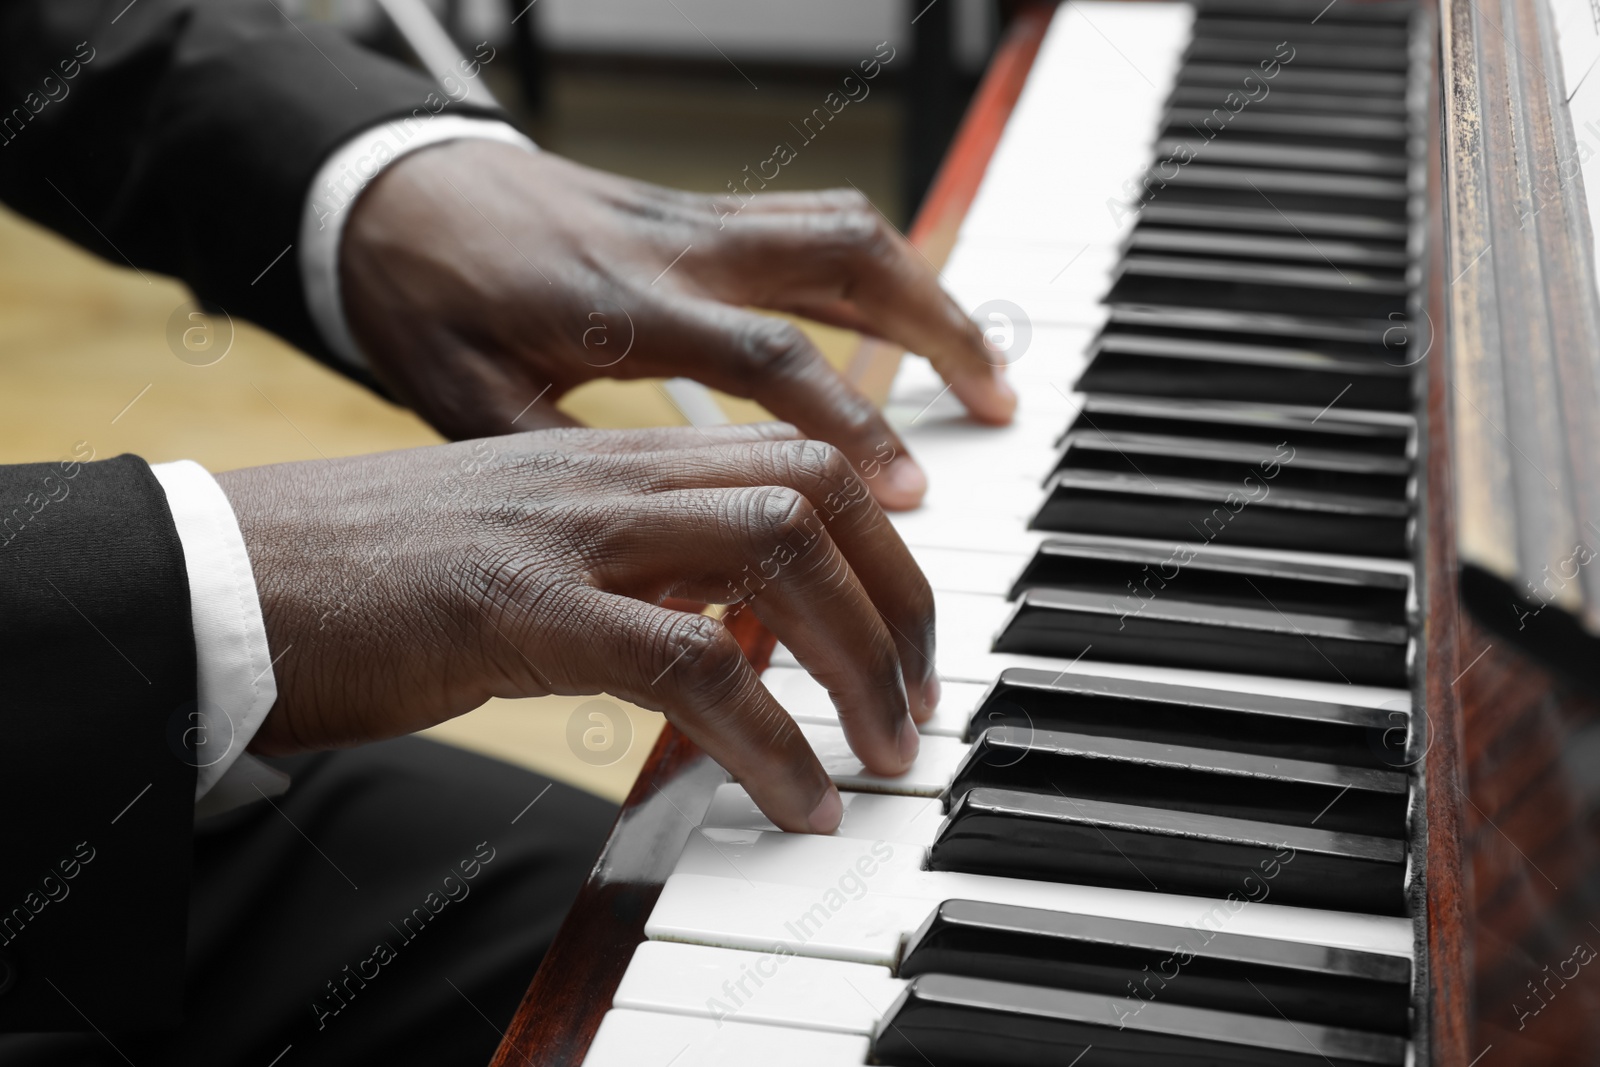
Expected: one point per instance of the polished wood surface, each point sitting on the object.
(1532, 751)
(1524, 323)
(1445, 960)
(559, 1014)
(1513, 847)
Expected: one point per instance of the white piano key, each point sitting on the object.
(933, 770)
(629, 1038)
(1044, 263)
(770, 917)
(966, 625)
(950, 570)
(964, 486)
(867, 816)
(950, 442)
(803, 697)
(968, 489)
(1100, 79)
(957, 527)
(840, 898)
(1059, 283)
(1054, 353)
(768, 988)
(1053, 306)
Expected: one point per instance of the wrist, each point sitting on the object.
(338, 188)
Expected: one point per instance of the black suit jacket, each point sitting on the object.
(96, 785)
(181, 136)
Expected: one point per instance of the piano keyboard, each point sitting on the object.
(1164, 811)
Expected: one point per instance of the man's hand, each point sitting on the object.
(478, 277)
(404, 588)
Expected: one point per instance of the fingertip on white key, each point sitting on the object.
(867, 816)
(804, 698)
(932, 772)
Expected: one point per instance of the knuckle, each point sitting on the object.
(851, 230)
(778, 513)
(813, 461)
(706, 659)
(773, 346)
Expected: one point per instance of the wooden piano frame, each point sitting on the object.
(1510, 881)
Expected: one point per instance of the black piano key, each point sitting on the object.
(1174, 320)
(1232, 514)
(1291, 100)
(1356, 357)
(1286, 727)
(976, 1022)
(1274, 30)
(1324, 55)
(1259, 285)
(1219, 459)
(1137, 570)
(1094, 842)
(1200, 368)
(1278, 217)
(1245, 245)
(1325, 185)
(1167, 631)
(1208, 781)
(1203, 127)
(1372, 433)
(1143, 962)
(1227, 76)
(1367, 13)
(1230, 189)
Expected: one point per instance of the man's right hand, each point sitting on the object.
(405, 588)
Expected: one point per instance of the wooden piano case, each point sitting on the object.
(1512, 766)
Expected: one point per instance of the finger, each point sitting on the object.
(862, 532)
(691, 669)
(767, 546)
(805, 201)
(850, 255)
(772, 362)
(666, 438)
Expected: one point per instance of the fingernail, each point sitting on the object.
(931, 691)
(910, 742)
(825, 818)
(905, 479)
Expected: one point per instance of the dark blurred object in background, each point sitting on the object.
(688, 92)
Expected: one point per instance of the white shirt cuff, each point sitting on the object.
(235, 687)
(339, 183)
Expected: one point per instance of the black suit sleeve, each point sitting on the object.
(182, 136)
(96, 773)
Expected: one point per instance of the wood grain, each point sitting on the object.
(1524, 325)
(1445, 971)
(1513, 847)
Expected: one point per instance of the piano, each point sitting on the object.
(1243, 756)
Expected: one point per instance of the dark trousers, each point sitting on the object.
(391, 908)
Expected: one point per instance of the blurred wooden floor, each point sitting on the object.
(86, 355)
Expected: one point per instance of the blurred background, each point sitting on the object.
(679, 92)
